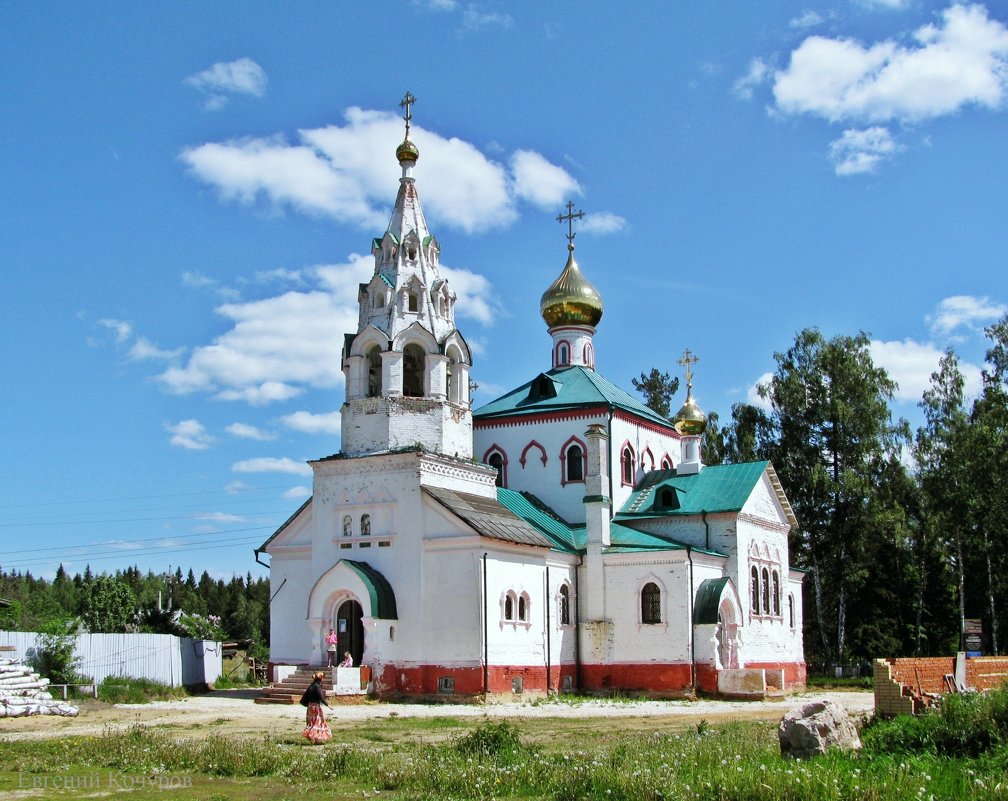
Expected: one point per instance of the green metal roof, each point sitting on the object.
(575, 388)
(708, 600)
(574, 539)
(716, 488)
(537, 515)
(383, 603)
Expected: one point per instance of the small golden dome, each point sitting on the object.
(571, 300)
(407, 151)
(690, 420)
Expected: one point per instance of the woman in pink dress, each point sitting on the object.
(331, 640)
(316, 729)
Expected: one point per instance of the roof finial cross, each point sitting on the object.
(687, 361)
(406, 102)
(569, 217)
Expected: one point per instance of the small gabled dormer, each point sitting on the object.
(542, 387)
(666, 499)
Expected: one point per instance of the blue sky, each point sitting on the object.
(190, 192)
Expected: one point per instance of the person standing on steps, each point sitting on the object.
(331, 641)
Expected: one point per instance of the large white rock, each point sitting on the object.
(814, 728)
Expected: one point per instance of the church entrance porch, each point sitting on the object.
(349, 626)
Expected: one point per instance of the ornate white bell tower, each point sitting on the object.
(407, 367)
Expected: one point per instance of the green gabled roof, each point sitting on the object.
(388, 283)
(716, 488)
(383, 601)
(576, 387)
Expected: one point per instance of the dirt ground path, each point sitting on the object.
(233, 712)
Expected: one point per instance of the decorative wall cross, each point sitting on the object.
(569, 217)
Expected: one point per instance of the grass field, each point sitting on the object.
(450, 758)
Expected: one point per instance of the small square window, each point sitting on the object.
(384, 544)
(364, 545)
(517, 685)
(344, 546)
(567, 683)
(446, 684)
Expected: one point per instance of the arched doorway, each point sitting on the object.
(350, 630)
(727, 636)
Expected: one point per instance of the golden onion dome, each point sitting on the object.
(571, 300)
(690, 420)
(407, 151)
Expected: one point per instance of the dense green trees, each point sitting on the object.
(129, 600)
(902, 536)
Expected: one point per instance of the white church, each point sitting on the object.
(561, 537)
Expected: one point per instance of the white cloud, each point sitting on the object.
(859, 152)
(752, 394)
(245, 431)
(328, 423)
(121, 329)
(189, 434)
(476, 17)
(261, 394)
(963, 62)
(274, 347)
(267, 464)
(242, 77)
(807, 19)
(910, 364)
(143, 350)
(964, 311)
(476, 298)
(350, 173)
(220, 517)
(297, 493)
(602, 222)
(540, 182)
(889, 5)
(759, 72)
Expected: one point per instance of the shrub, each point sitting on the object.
(53, 656)
(491, 741)
(961, 725)
(126, 690)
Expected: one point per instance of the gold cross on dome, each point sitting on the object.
(687, 361)
(569, 217)
(406, 102)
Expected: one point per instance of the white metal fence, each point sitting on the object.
(163, 658)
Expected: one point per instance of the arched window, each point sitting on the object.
(790, 608)
(628, 465)
(665, 498)
(666, 463)
(413, 302)
(564, 605)
(374, 372)
(575, 464)
(589, 356)
(775, 592)
(523, 607)
(365, 525)
(347, 525)
(496, 461)
(563, 354)
(413, 371)
(754, 589)
(509, 607)
(766, 591)
(650, 603)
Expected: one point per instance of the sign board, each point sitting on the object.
(973, 636)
